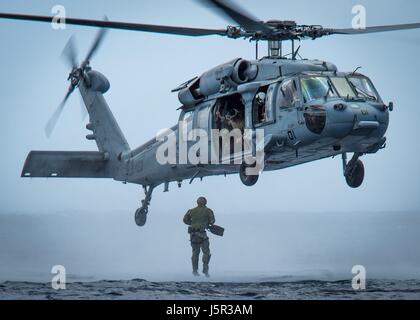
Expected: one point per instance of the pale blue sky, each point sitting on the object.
(143, 68)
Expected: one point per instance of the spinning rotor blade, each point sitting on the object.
(70, 54)
(182, 31)
(237, 14)
(250, 27)
(96, 43)
(388, 28)
(49, 128)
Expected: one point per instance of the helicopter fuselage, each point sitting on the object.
(297, 129)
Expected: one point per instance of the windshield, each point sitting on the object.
(343, 87)
(314, 88)
(363, 87)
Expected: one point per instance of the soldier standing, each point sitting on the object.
(198, 220)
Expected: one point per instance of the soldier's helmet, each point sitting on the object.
(201, 201)
(260, 98)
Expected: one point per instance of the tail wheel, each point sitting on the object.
(249, 181)
(355, 178)
(141, 216)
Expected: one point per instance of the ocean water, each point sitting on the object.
(283, 256)
(139, 289)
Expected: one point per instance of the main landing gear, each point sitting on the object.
(354, 170)
(141, 213)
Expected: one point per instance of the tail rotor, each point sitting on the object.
(77, 73)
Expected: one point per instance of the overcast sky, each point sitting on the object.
(143, 68)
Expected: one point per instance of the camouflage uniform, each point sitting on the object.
(198, 219)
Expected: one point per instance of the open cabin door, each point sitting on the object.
(228, 126)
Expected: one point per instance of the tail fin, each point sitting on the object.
(106, 132)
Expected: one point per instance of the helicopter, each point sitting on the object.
(289, 110)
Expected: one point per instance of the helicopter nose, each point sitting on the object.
(357, 119)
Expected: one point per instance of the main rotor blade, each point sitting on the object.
(49, 128)
(70, 54)
(239, 15)
(388, 28)
(182, 31)
(96, 43)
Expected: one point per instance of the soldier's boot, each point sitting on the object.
(206, 270)
(194, 260)
(206, 257)
(206, 261)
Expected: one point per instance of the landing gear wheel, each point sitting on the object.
(356, 176)
(249, 181)
(141, 216)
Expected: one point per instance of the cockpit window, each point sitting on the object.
(314, 88)
(343, 87)
(288, 94)
(363, 87)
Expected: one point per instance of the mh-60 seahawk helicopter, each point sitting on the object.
(307, 109)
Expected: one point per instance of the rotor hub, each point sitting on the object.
(74, 77)
(279, 24)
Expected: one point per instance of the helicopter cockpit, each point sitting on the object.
(364, 88)
(315, 87)
(351, 86)
(347, 86)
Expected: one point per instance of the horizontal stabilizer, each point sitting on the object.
(66, 164)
